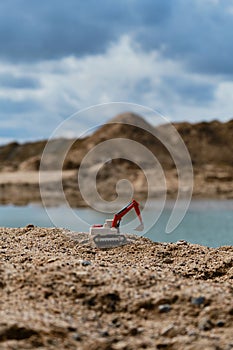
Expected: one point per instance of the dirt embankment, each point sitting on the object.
(57, 293)
(209, 144)
(22, 187)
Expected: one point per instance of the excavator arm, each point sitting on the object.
(118, 216)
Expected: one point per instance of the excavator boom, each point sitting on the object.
(118, 216)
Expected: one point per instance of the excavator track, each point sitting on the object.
(109, 240)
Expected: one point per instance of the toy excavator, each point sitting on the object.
(108, 235)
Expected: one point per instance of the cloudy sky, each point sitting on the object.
(57, 57)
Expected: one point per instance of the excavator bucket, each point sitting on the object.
(140, 227)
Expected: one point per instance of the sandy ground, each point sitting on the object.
(32, 177)
(58, 293)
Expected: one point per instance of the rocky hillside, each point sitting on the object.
(208, 143)
(13, 155)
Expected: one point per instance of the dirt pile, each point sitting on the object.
(208, 143)
(13, 154)
(58, 293)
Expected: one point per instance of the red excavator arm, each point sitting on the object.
(118, 216)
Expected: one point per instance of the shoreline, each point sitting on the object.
(22, 188)
(168, 203)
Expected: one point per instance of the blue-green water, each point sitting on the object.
(207, 222)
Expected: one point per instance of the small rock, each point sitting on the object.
(168, 261)
(120, 345)
(104, 333)
(30, 226)
(51, 260)
(164, 308)
(115, 321)
(168, 331)
(205, 324)
(198, 301)
(77, 337)
(72, 289)
(192, 333)
(134, 331)
(84, 262)
(220, 323)
(182, 242)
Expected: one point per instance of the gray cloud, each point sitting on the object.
(18, 82)
(196, 32)
(172, 55)
(190, 91)
(9, 107)
(48, 30)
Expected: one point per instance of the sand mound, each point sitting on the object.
(57, 293)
